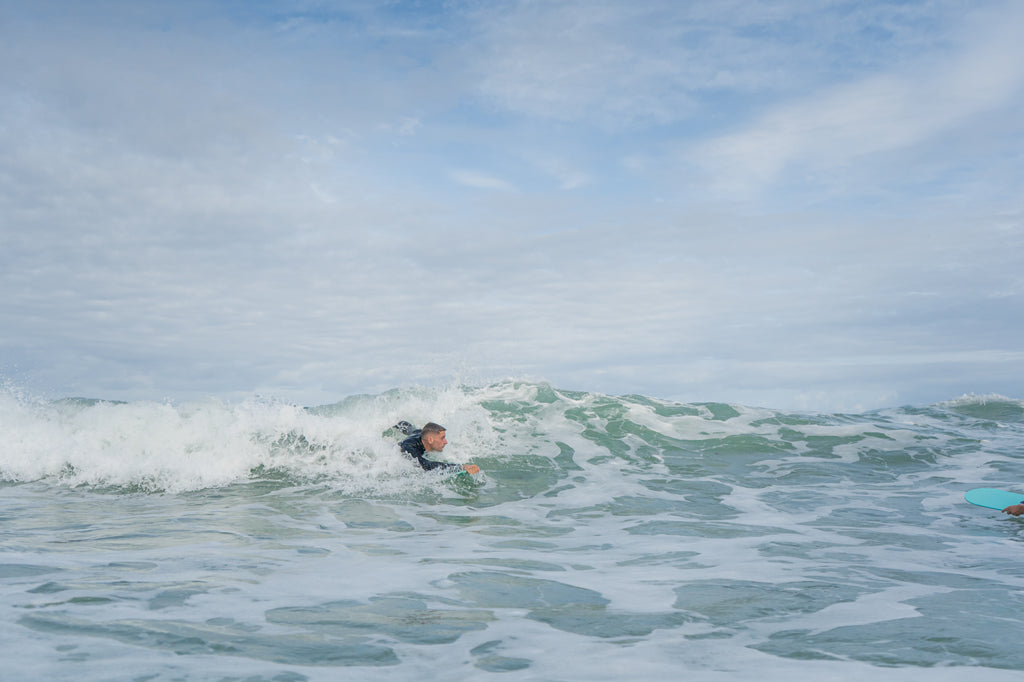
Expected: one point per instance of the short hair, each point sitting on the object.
(431, 427)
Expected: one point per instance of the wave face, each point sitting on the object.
(641, 535)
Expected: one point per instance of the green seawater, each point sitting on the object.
(607, 538)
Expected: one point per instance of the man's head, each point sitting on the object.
(433, 438)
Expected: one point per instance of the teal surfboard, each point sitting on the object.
(993, 498)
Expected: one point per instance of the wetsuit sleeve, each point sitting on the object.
(412, 447)
(430, 465)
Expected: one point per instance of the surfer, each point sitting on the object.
(1015, 509)
(428, 439)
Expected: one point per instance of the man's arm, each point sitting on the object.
(430, 465)
(1015, 509)
(412, 447)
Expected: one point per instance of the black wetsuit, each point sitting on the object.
(413, 449)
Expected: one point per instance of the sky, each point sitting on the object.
(798, 205)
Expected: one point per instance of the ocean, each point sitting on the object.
(606, 538)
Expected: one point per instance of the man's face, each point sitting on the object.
(434, 442)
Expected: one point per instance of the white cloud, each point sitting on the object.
(479, 180)
(405, 126)
(877, 114)
(623, 66)
(564, 173)
(574, 61)
(226, 210)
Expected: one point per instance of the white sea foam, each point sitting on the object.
(643, 537)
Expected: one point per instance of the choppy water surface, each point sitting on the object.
(608, 538)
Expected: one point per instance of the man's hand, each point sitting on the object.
(1015, 509)
(474, 469)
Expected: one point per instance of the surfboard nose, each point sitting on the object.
(993, 498)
